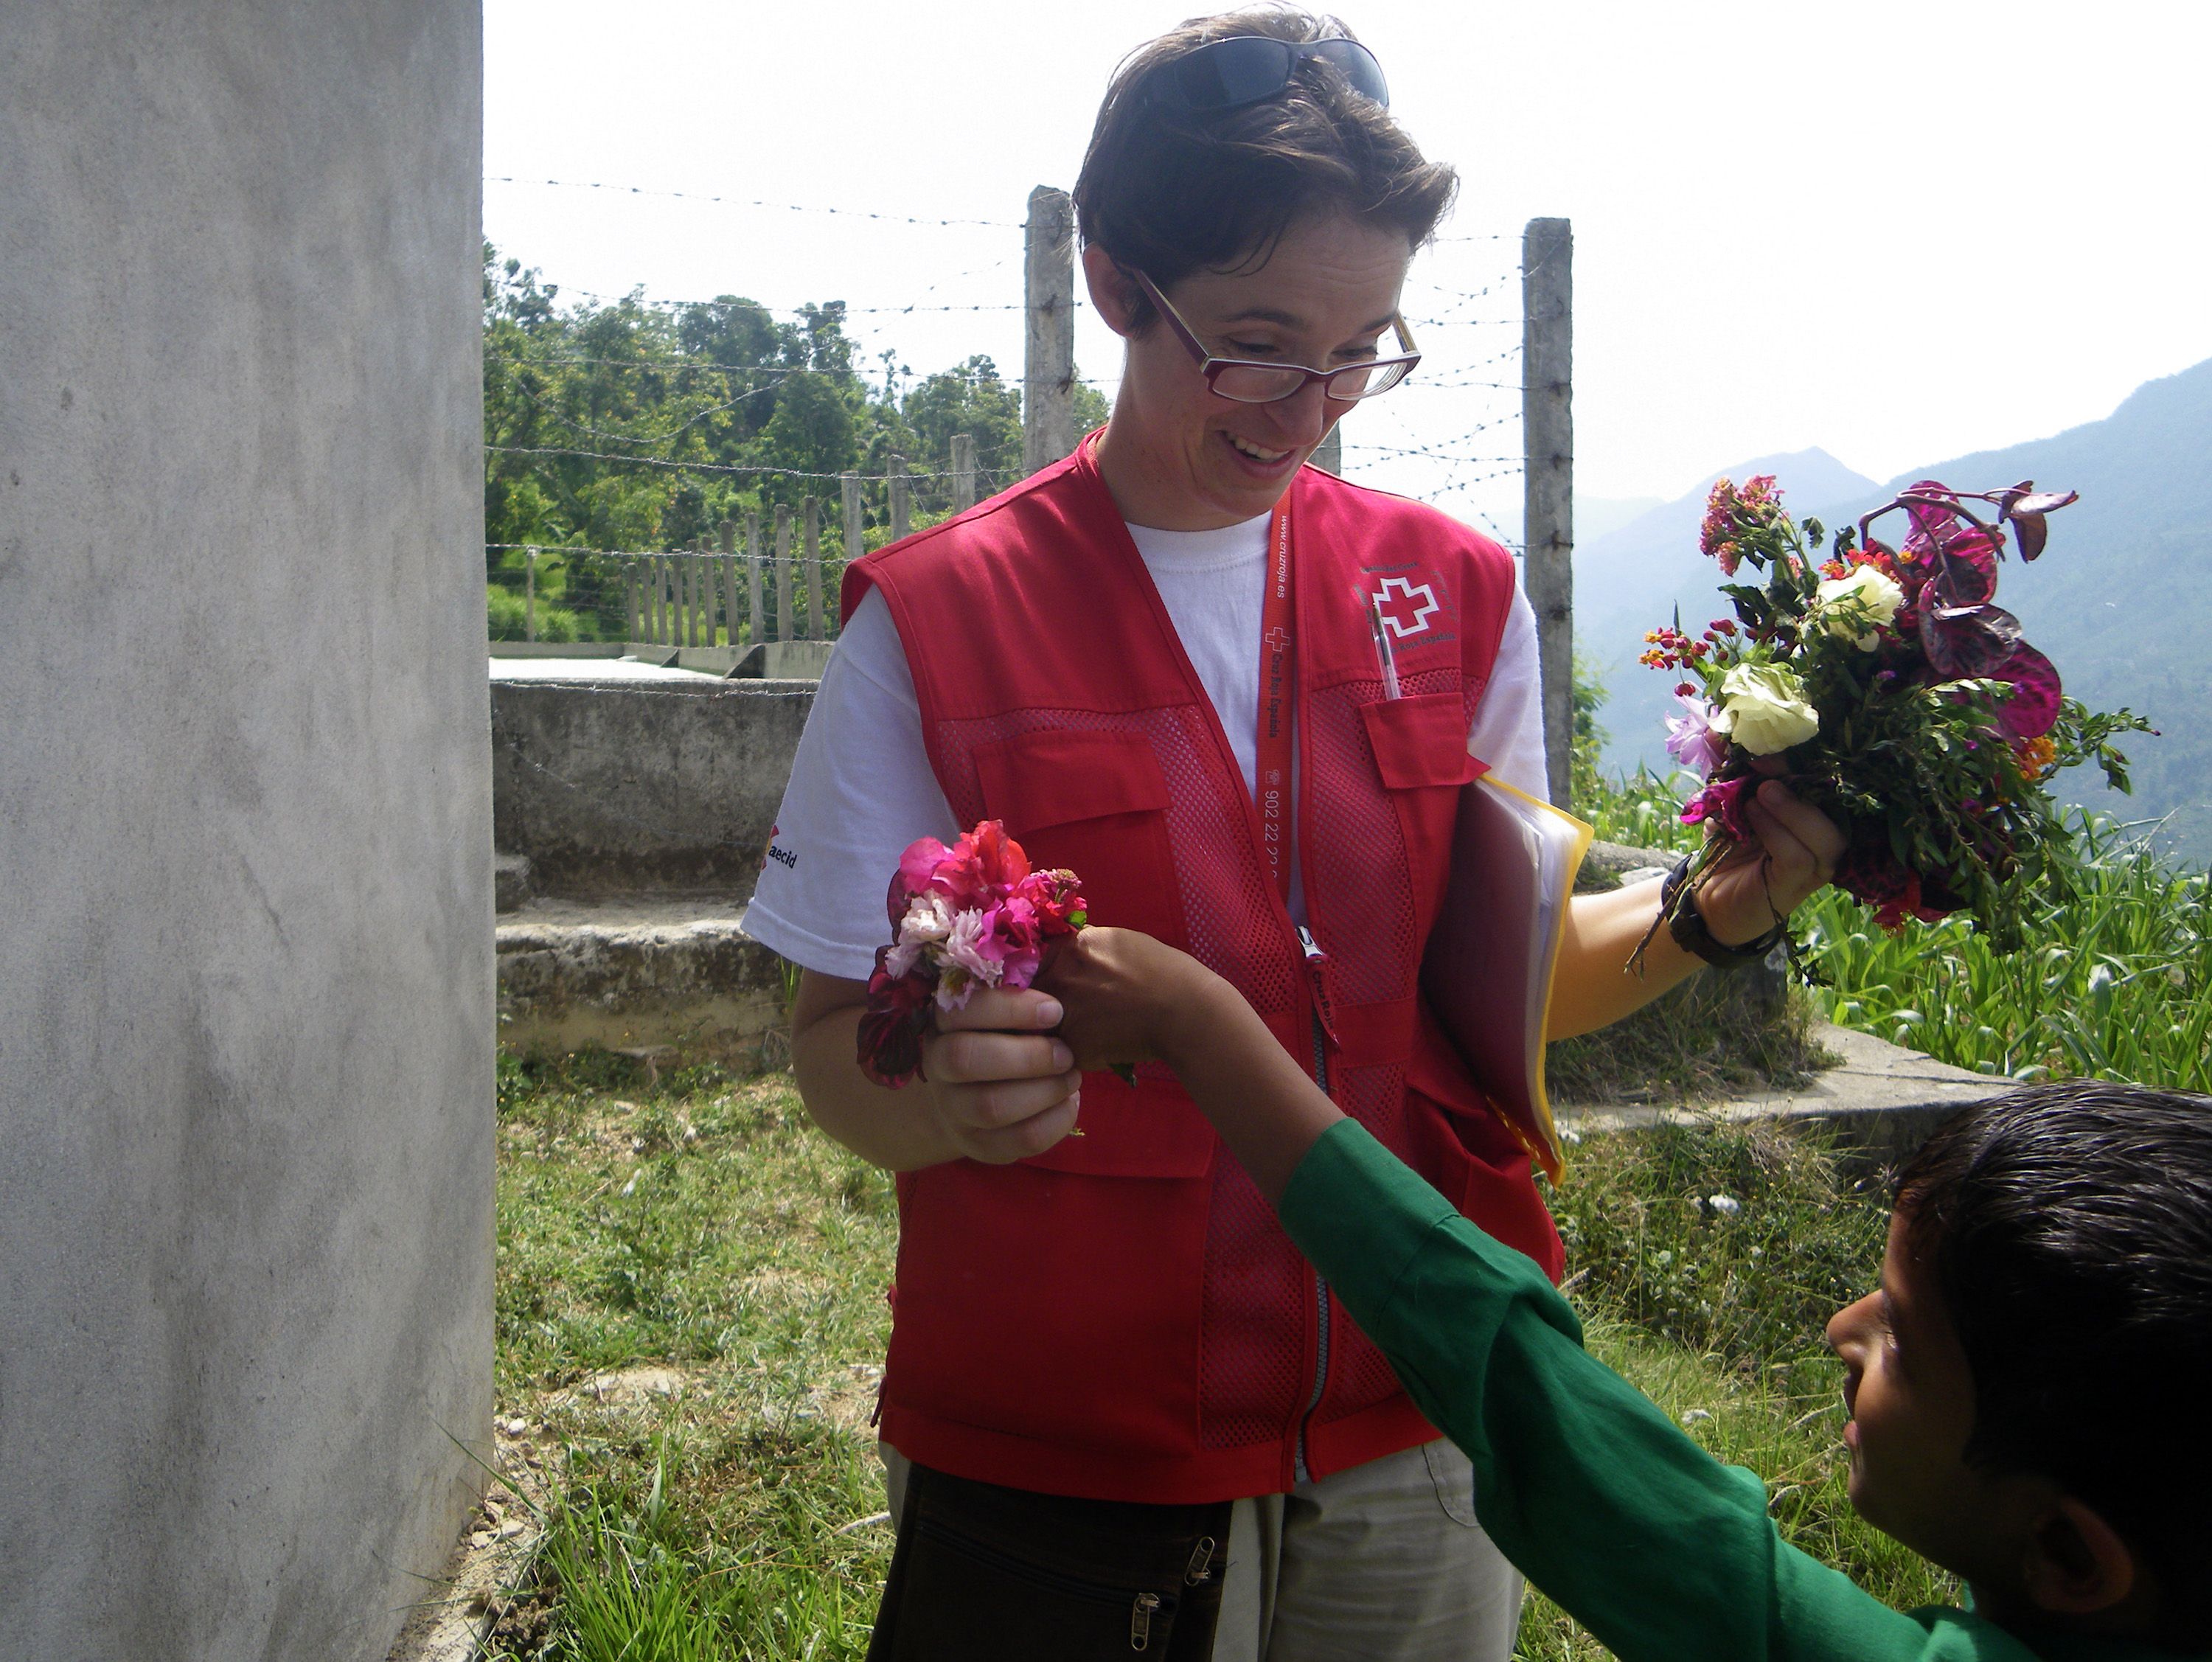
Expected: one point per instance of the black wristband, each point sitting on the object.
(1687, 926)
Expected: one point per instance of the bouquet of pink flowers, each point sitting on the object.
(1888, 689)
(971, 916)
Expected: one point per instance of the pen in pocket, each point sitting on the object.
(1384, 654)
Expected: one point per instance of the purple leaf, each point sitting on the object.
(2044, 502)
(1968, 562)
(1964, 642)
(2032, 708)
(2032, 529)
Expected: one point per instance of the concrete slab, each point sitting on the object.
(785, 661)
(559, 649)
(648, 973)
(1881, 1100)
(592, 670)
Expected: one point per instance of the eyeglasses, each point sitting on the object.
(1249, 380)
(1223, 74)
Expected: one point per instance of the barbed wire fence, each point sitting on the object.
(774, 575)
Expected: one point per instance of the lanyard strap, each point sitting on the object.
(1278, 692)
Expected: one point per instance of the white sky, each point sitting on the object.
(1897, 231)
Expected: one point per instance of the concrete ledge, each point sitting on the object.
(635, 974)
(640, 787)
(558, 649)
(773, 660)
(1881, 1100)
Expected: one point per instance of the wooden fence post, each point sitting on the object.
(812, 510)
(964, 472)
(786, 578)
(898, 490)
(687, 601)
(653, 599)
(529, 594)
(1548, 428)
(1048, 365)
(702, 594)
(755, 579)
(726, 531)
(631, 596)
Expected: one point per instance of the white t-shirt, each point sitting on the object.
(861, 787)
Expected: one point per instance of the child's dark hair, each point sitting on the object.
(2069, 1228)
(1169, 192)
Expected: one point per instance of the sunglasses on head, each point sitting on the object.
(1223, 74)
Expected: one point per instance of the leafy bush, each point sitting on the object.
(508, 620)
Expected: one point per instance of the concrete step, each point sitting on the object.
(1880, 1100)
(640, 975)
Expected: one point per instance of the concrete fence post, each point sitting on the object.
(964, 472)
(1329, 454)
(814, 597)
(529, 594)
(855, 542)
(1049, 364)
(786, 577)
(899, 486)
(1548, 428)
(631, 596)
(754, 579)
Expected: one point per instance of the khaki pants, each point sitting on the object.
(1382, 1563)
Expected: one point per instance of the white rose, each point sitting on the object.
(1854, 606)
(1763, 708)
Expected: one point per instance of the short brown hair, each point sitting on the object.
(1167, 191)
(2069, 1227)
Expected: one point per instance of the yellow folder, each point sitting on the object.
(1488, 969)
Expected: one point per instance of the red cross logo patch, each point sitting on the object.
(1407, 607)
(1278, 638)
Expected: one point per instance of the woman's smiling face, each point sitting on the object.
(1179, 457)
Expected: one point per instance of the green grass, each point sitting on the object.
(694, 1235)
(694, 1226)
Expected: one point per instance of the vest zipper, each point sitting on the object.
(1140, 1620)
(1298, 1467)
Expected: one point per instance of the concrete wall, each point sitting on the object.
(610, 789)
(246, 978)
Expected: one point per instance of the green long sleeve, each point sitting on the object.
(1658, 1549)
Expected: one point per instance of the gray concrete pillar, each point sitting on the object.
(245, 947)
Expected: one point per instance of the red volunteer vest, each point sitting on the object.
(1122, 1318)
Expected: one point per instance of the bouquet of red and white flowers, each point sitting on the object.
(1887, 689)
(971, 916)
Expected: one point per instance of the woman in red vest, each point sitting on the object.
(1120, 1413)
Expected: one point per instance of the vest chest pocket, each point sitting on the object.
(1421, 750)
(1096, 803)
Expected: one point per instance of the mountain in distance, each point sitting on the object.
(2120, 599)
(1595, 516)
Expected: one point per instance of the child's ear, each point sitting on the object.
(2076, 1562)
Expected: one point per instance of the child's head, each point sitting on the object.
(2031, 1391)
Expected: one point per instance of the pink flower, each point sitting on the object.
(970, 916)
(1691, 739)
(1723, 804)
